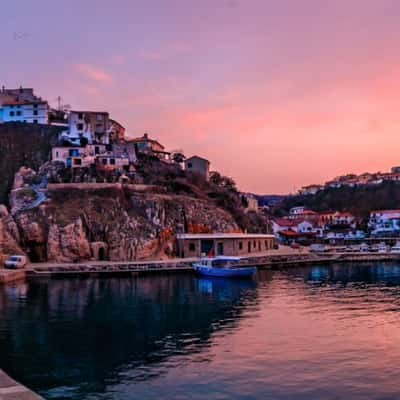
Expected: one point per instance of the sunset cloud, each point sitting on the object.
(94, 73)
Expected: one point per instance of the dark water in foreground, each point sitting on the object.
(315, 333)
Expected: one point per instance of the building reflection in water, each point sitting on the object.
(88, 333)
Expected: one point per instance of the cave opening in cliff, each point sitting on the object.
(102, 254)
(37, 252)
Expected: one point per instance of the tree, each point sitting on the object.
(178, 157)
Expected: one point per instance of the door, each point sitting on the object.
(207, 247)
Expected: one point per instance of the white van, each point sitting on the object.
(15, 262)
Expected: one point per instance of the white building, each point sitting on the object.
(33, 112)
(297, 210)
(310, 190)
(90, 125)
(384, 222)
(21, 105)
(299, 226)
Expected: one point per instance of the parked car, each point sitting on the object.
(15, 262)
(396, 248)
(318, 248)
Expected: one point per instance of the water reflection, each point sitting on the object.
(80, 335)
(326, 332)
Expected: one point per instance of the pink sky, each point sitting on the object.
(277, 94)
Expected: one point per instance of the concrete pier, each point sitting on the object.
(12, 390)
(11, 275)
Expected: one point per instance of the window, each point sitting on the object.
(99, 117)
(80, 116)
(57, 154)
(240, 245)
(35, 121)
(35, 106)
(79, 127)
(266, 245)
(104, 161)
(96, 150)
(254, 244)
(77, 161)
(19, 113)
(112, 161)
(11, 113)
(35, 112)
(190, 165)
(192, 246)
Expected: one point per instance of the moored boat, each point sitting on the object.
(223, 267)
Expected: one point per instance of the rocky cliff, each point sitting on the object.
(115, 224)
(23, 144)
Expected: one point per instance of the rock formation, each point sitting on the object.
(113, 224)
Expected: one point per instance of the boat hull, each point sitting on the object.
(247, 272)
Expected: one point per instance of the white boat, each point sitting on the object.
(395, 248)
(223, 267)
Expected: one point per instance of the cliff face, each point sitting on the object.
(113, 224)
(23, 144)
(9, 235)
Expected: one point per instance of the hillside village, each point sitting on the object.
(91, 139)
(100, 192)
(94, 151)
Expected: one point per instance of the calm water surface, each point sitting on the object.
(315, 333)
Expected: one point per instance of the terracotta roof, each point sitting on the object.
(199, 158)
(288, 222)
(145, 139)
(88, 112)
(385, 211)
(23, 102)
(307, 212)
(293, 233)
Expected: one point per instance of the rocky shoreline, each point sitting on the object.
(12, 390)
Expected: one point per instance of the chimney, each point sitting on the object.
(146, 136)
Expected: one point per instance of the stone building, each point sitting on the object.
(150, 146)
(228, 244)
(198, 165)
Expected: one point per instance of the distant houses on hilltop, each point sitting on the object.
(352, 180)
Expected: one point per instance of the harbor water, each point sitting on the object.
(321, 332)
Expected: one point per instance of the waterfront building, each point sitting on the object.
(228, 244)
(384, 222)
(198, 165)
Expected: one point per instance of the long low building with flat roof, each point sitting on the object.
(228, 244)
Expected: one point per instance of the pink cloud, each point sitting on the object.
(94, 73)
